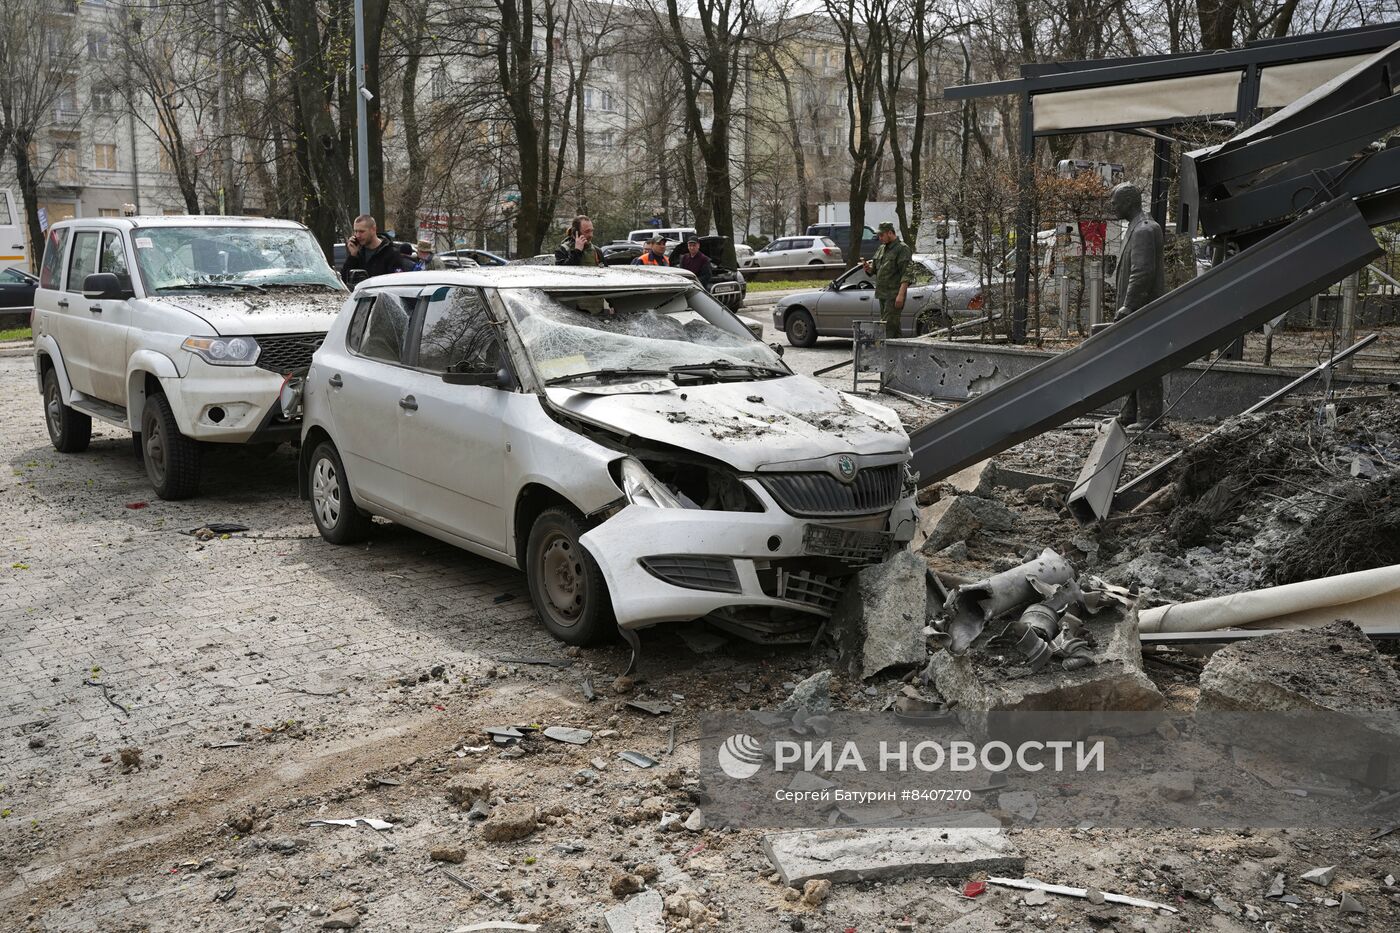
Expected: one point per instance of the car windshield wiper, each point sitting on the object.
(755, 368)
(605, 374)
(231, 286)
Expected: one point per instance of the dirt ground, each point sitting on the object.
(236, 710)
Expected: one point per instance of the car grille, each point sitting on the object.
(285, 353)
(815, 590)
(873, 489)
(716, 574)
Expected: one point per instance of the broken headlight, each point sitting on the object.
(642, 488)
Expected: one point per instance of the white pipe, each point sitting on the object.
(1366, 597)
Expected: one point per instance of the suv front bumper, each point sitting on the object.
(229, 404)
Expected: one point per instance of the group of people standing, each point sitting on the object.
(577, 249)
(367, 251)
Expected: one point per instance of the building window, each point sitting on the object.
(108, 212)
(99, 46)
(598, 99)
(104, 157)
(65, 163)
(438, 85)
(102, 99)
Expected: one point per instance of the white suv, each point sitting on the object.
(615, 433)
(182, 329)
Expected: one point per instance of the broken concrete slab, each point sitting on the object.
(812, 695)
(980, 479)
(1332, 669)
(983, 681)
(843, 855)
(879, 621)
(960, 519)
(641, 914)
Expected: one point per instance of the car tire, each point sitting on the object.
(136, 447)
(817, 262)
(338, 518)
(801, 329)
(172, 459)
(566, 586)
(70, 431)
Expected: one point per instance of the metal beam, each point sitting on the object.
(1202, 315)
(1307, 48)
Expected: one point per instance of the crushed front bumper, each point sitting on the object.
(671, 565)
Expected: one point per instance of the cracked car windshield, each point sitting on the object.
(216, 258)
(571, 333)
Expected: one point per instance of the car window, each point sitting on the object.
(49, 272)
(113, 258)
(458, 335)
(781, 245)
(82, 262)
(380, 327)
(828, 241)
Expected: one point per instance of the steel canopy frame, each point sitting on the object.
(1183, 325)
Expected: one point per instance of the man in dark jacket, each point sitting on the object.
(365, 249)
(1142, 279)
(697, 262)
(577, 249)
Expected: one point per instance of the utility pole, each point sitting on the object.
(362, 96)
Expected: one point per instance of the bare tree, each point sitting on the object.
(858, 22)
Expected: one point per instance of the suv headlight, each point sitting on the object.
(224, 351)
(642, 488)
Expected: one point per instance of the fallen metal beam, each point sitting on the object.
(1257, 406)
(1092, 497)
(1204, 314)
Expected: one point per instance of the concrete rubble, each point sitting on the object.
(849, 855)
(878, 623)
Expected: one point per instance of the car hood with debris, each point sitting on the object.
(745, 424)
(299, 310)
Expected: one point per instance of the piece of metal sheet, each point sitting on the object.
(1092, 497)
(1227, 301)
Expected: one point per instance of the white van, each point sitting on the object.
(673, 235)
(14, 254)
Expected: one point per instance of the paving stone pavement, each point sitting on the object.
(106, 604)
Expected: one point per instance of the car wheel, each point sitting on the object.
(338, 518)
(817, 262)
(566, 586)
(801, 331)
(69, 431)
(172, 460)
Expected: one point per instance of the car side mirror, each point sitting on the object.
(776, 348)
(355, 277)
(495, 378)
(105, 286)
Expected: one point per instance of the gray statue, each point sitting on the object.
(1142, 278)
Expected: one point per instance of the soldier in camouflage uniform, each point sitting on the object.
(892, 269)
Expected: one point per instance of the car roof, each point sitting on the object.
(532, 276)
(180, 220)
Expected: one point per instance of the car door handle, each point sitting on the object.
(63, 303)
(335, 381)
(408, 403)
(97, 308)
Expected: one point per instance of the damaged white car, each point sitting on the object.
(617, 434)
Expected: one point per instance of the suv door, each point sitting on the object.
(453, 436)
(74, 330)
(109, 322)
(363, 380)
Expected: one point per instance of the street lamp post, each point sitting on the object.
(362, 99)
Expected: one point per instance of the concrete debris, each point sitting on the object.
(1030, 884)
(869, 854)
(498, 925)
(1321, 876)
(695, 822)
(369, 821)
(625, 884)
(346, 919)
(568, 735)
(1036, 898)
(1351, 905)
(815, 892)
(959, 518)
(650, 707)
(642, 914)
(812, 695)
(1331, 669)
(510, 822)
(1276, 886)
(879, 621)
(466, 789)
(452, 855)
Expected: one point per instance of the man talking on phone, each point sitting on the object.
(577, 249)
(365, 249)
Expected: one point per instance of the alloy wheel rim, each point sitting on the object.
(155, 449)
(563, 578)
(325, 492)
(54, 408)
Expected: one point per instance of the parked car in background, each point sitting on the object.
(13, 252)
(841, 234)
(673, 235)
(830, 311)
(726, 285)
(183, 330)
(797, 251)
(468, 257)
(16, 296)
(621, 254)
(615, 433)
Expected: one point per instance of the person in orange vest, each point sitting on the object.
(654, 254)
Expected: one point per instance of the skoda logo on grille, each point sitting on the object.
(847, 467)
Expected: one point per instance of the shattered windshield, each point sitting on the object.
(569, 334)
(207, 258)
